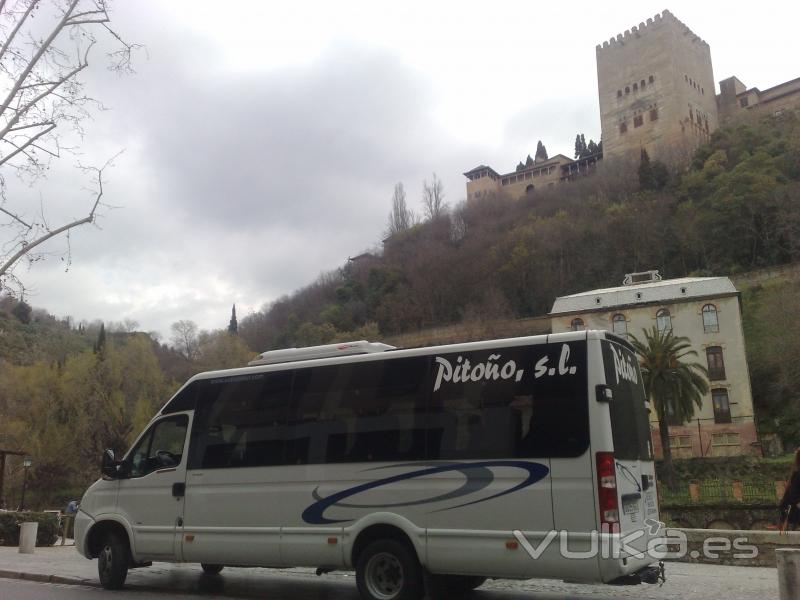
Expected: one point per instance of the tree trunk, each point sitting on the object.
(666, 450)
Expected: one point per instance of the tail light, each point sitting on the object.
(607, 491)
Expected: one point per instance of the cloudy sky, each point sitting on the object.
(262, 140)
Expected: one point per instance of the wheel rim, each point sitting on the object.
(106, 560)
(384, 576)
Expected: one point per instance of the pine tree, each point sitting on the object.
(578, 148)
(591, 148)
(233, 326)
(541, 151)
(100, 344)
(529, 161)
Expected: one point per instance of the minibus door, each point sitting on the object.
(151, 496)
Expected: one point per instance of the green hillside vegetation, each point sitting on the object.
(68, 390)
(735, 209)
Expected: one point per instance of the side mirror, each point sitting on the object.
(109, 465)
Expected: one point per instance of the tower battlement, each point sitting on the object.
(637, 31)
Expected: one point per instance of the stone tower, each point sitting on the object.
(656, 88)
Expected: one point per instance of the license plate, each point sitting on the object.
(630, 508)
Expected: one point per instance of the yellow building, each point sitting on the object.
(528, 177)
(706, 310)
(656, 91)
(736, 101)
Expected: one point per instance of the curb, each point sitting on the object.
(42, 578)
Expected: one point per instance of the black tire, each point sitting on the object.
(389, 570)
(113, 560)
(452, 586)
(212, 569)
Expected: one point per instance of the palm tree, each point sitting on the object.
(674, 386)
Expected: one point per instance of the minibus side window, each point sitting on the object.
(483, 411)
(240, 421)
(359, 412)
(161, 447)
(630, 426)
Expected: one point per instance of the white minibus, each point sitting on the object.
(418, 468)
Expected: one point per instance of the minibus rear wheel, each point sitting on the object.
(389, 570)
(113, 560)
(212, 569)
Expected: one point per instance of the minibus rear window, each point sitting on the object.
(630, 426)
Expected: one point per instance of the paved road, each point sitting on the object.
(685, 582)
(27, 590)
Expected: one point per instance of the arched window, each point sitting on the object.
(710, 319)
(619, 324)
(619, 93)
(651, 79)
(663, 320)
(529, 189)
(577, 324)
(635, 87)
(641, 84)
(627, 89)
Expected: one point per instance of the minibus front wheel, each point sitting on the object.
(389, 570)
(113, 560)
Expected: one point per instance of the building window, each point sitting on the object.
(627, 90)
(619, 325)
(710, 319)
(716, 364)
(663, 320)
(651, 79)
(619, 93)
(743, 102)
(654, 114)
(577, 324)
(641, 84)
(725, 439)
(703, 91)
(505, 181)
(638, 120)
(680, 441)
(529, 189)
(623, 127)
(635, 87)
(722, 407)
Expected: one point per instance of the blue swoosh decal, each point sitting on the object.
(314, 514)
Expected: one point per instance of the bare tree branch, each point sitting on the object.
(42, 100)
(16, 218)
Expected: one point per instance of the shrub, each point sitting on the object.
(9, 527)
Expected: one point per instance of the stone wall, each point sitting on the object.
(765, 542)
(749, 517)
